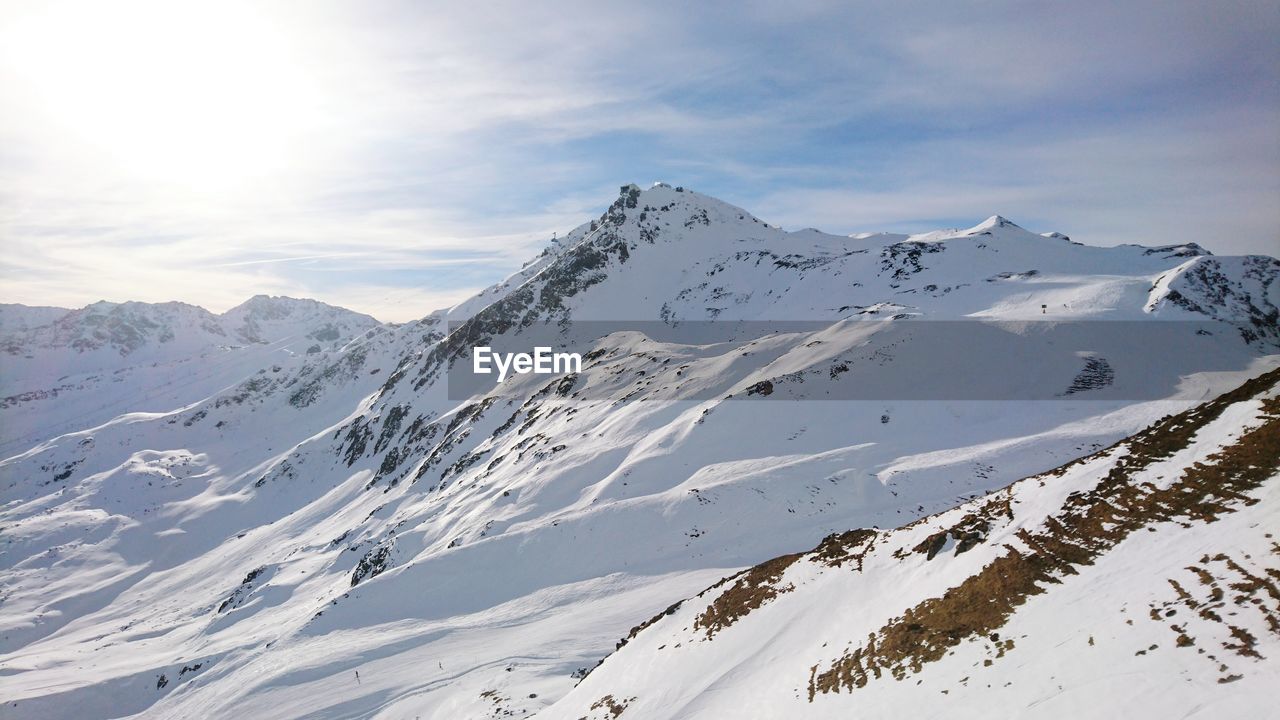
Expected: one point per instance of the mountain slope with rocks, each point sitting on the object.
(472, 549)
(1140, 580)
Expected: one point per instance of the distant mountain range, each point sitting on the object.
(69, 369)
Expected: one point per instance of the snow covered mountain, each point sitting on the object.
(1139, 581)
(17, 318)
(360, 533)
(67, 369)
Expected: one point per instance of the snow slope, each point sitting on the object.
(1139, 581)
(247, 553)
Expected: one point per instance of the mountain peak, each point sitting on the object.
(995, 221)
(264, 300)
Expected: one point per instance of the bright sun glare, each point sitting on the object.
(202, 97)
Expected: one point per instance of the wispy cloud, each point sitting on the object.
(429, 150)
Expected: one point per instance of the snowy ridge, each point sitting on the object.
(1140, 579)
(1233, 287)
(256, 542)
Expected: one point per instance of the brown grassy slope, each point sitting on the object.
(1089, 524)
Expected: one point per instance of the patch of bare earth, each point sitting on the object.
(611, 706)
(752, 589)
(838, 548)
(1209, 603)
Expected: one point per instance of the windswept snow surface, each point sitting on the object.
(244, 546)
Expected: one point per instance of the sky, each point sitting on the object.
(396, 157)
